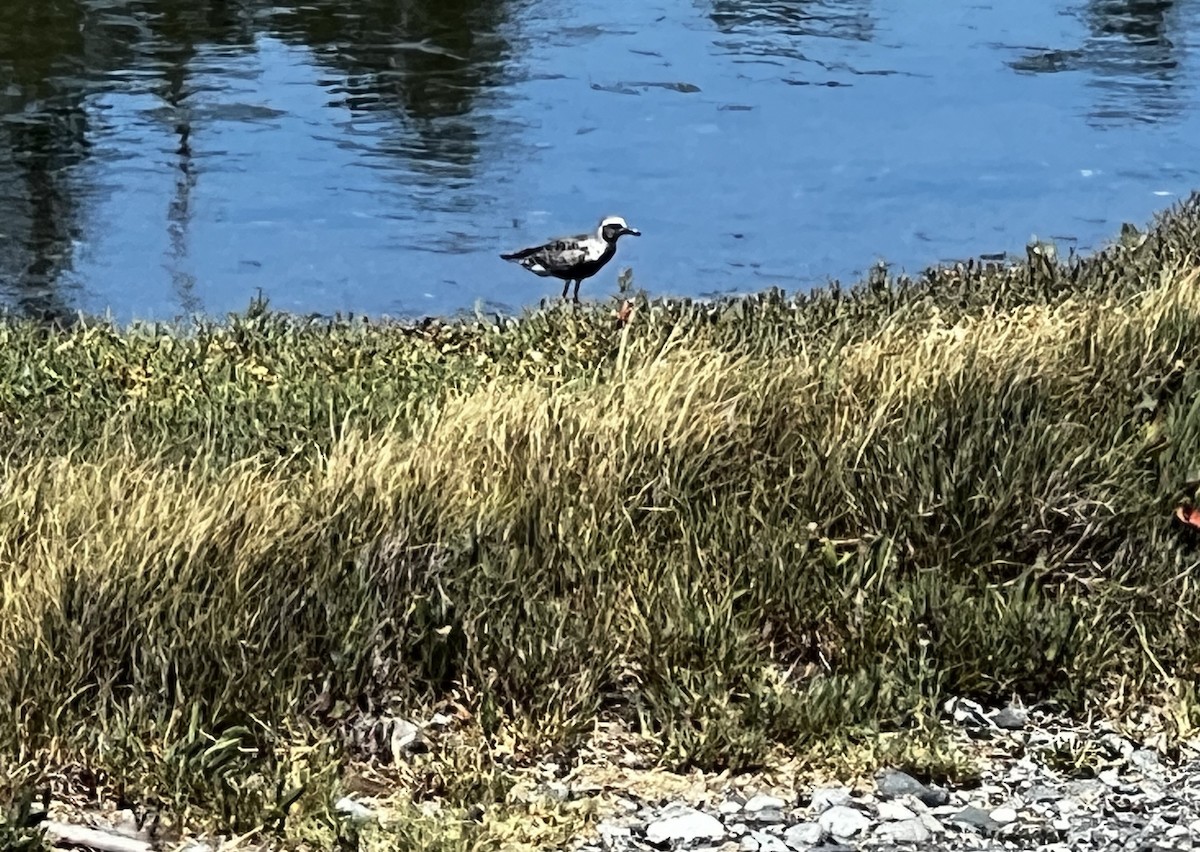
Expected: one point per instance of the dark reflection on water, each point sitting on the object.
(426, 61)
(418, 64)
(1130, 57)
(43, 137)
(774, 30)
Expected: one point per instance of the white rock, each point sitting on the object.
(767, 842)
(729, 806)
(748, 844)
(405, 739)
(894, 811)
(684, 825)
(762, 803)
(932, 823)
(1004, 815)
(903, 831)
(1147, 761)
(828, 797)
(802, 835)
(609, 830)
(1068, 807)
(1194, 827)
(843, 822)
(1061, 824)
(355, 811)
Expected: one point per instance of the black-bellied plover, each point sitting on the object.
(575, 258)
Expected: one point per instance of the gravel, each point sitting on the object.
(1045, 784)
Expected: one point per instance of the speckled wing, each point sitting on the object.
(557, 257)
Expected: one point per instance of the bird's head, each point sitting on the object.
(613, 227)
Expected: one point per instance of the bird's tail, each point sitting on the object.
(520, 254)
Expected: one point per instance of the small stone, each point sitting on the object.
(932, 823)
(843, 822)
(1061, 824)
(1110, 778)
(749, 844)
(729, 806)
(1146, 760)
(1041, 793)
(802, 835)
(1194, 827)
(684, 825)
(355, 811)
(766, 815)
(608, 830)
(828, 797)
(892, 783)
(1004, 816)
(762, 803)
(738, 829)
(406, 739)
(1086, 791)
(1176, 831)
(1011, 718)
(903, 831)
(768, 843)
(975, 817)
(889, 811)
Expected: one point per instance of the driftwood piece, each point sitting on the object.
(84, 837)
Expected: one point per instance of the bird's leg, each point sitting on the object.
(566, 286)
(578, 281)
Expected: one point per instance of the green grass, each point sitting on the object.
(740, 529)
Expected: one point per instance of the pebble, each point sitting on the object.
(892, 783)
(768, 842)
(802, 835)
(355, 811)
(685, 825)
(893, 811)
(824, 799)
(1011, 718)
(1004, 816)
(903, 831)
(762, 803)
(975, 817)
(1021, 799)
(844, 822)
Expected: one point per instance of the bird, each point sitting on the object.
(574, 258)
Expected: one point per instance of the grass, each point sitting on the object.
(231, 552)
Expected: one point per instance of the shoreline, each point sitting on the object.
(268, 566)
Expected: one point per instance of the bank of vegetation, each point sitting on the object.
(231, 552)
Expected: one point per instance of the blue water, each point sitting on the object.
(376, 157)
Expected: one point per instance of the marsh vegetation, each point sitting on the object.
(230, 552)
